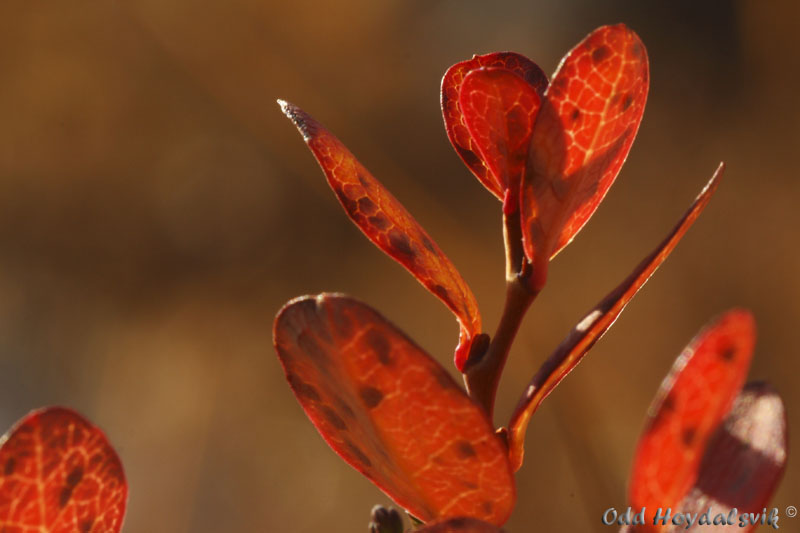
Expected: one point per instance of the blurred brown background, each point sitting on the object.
(156, 210)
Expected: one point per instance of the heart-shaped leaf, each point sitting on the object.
(391, 411)
(589, 117)
(499, 109)
(744, 460)
(594, 324)
(691, 404)
(386, 223)
(456, 124)
(59, 474)
(459, 525)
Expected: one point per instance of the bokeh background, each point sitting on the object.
(156, 210)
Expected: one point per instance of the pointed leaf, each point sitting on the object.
(457, 130)
(391, 411)
(59, 474)
(459, 525)
(589, 118)
(386, 223)
(744, 460)
(499, 109)
(594, 324)
(692, 402)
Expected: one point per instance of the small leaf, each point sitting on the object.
(499, 109)
(589, 117)
(393, 413)
(59, 474)
(454, 120)
(594, 324)
(745, 459)
(692, 402)
(459, 525)
(386, 223)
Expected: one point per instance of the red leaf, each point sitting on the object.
(59, 474)
(745, 458)
(386, 223)
(499, 109)
(457, 130)
(589, 118)
(459, 525)
(692, 402)
(391, 411)
(594, 324)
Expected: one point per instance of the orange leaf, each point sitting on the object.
(692, 402)
(499, 109)
(458, 525)
(59, 474)
(589, 118)
(391, 411)
(386, 223)
(594, 324)
(454, 120)
(745, 459)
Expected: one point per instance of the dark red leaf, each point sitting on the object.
(457, 130)
(459, 525)
(391, 411)
(594, 324)
(590, 115)
(690, 405)
(744, 460)
(59, 474)
(386, 223)
(499, 109)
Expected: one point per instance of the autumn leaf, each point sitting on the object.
(594, 324)
(392, 412)
(59, 474)
(386, 223)
(484, 156)
(589, 117)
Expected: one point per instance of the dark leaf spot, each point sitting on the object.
(470, 158)
(344, 407)
(627, 101)
(379, 222)
(487, 507)
(379, 345)
(86, 525)
(75, 476)
(728, 354)
(371, 396)
(426, 242)
(576, 114)
(358, 453)
(688, 436)
(636, 49)
(669, 403)
(600, 53)
(441, 292)
(334, 419)
(309, 345)
(400, 244)
(64, 496)
(9, 468)
(465, 449)
(469, 485)
(364, 182)
(367, 206)
(303, 389)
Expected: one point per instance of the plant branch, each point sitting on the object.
(483, 376)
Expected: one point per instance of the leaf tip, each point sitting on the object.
(304, 123)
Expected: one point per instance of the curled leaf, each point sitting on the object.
(59, 474)
(391, 411)
(691, 404)
(594, 324)
(455, 120)
(590, 115)
(459, 525)
(389, 226)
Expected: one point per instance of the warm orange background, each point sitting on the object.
(156, 209)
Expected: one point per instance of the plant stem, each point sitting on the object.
(483, 377)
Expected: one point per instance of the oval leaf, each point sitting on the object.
(499, 109)
(594, 324)
(386, 223)
(589, 118)
(692, 402)
(457, 130)
(391, 411)
(459, 525)
(744, 460)
(59, 474)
